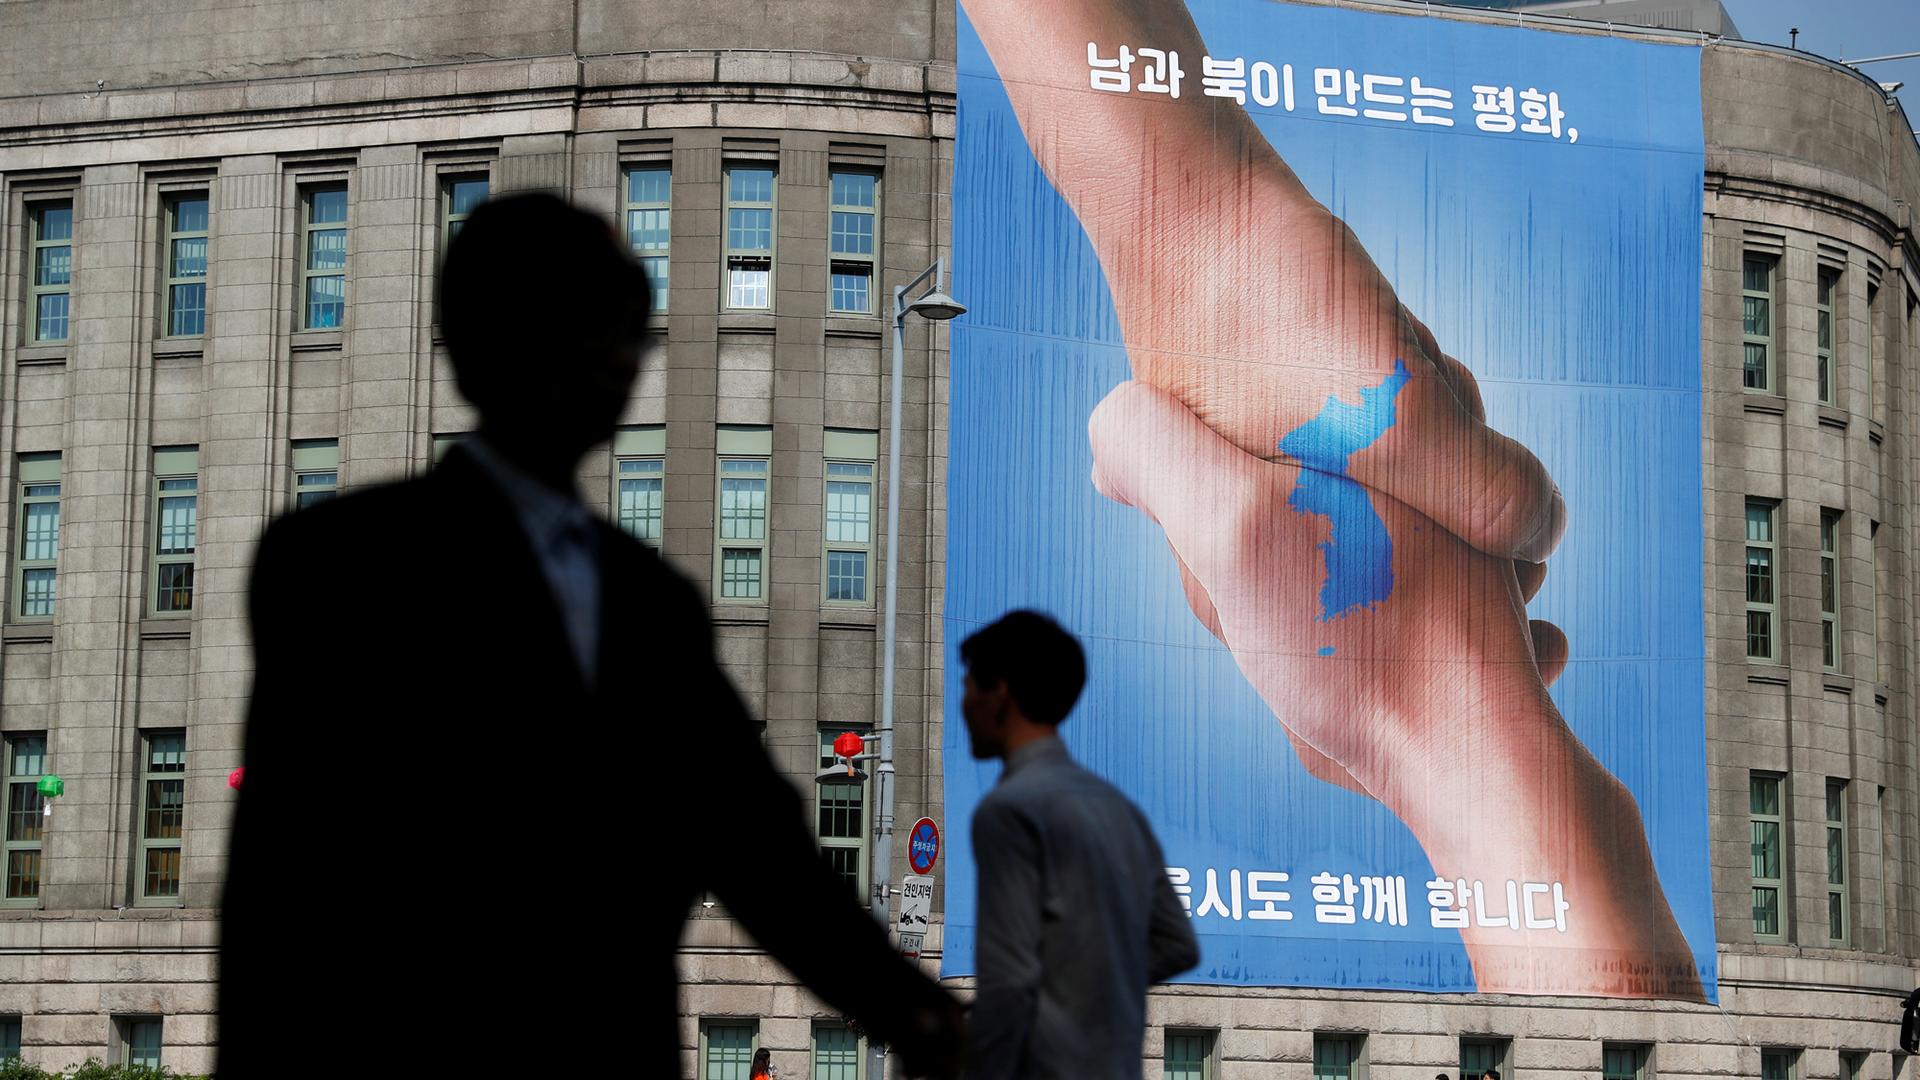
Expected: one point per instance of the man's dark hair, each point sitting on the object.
(1493, 1074)
(529, 277)
(1039, 661)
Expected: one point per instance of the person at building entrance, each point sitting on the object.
(1077, 917)
(491, 759)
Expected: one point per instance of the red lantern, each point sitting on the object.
(848, 745)
(233, 778)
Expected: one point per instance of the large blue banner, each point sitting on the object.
(1335, 377)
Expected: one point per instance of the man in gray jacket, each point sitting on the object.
(1076, 916)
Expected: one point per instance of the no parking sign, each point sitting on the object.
(923, 846)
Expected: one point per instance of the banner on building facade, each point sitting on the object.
(1335, 376)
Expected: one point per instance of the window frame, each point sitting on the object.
(815, 1070)
(37, 806)
(730, 254)
(313, 459)
(1830, 584)
(871, 260)
(145, 845)
(169, 234)
(703, 1067)
(306, 274)
(33, 474)
(156, 559)
(1768, 374)
(1792, 1057)
(1642, 1060)
(1825, 287)
(663, 254)
(127, 1026)
(1501, 1046)
(1770, 608)
(1777, 884)
(450, 221)
(861, 845)
(1209, 1062)
(1839, 903)
(1354, 1044)
(36, 209)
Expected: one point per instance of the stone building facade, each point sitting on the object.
(218, 224)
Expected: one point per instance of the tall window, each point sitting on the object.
(1779, 1064)
(1756, 300)
(1837, 861)
(836, 1052)
(1873, 350)
(1761, 560)
(316, 471)
(749, 236)
(176, 527)
(26, 764)
(841, 823)
(847, 532)
(163, 798)
(1830, 588)
(1873, 599)
(1188, 1055)
(323, 258)
(1479, 1055)
(50, 279)
(1623, 1061)
(1764, 798)
(851, 244)
(140, 1040)
(1335, 1056)
(1823, 335)
(35, 570)
(650, 224)
(186, 258)
(639, 479)
(726, 1049)
(742, 534)
(460, 196)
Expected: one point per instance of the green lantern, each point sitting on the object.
(52, 786)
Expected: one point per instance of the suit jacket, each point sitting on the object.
(448, 845)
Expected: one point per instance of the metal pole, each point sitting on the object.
(883, 772)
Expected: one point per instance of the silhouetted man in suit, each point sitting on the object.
(491, 760)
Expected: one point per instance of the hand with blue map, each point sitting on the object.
(1328, 595)
(1238, 292)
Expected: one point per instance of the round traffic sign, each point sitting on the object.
(923, 845)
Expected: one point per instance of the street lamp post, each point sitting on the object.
(936, 305)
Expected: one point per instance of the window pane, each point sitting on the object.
(740, 573)
(25, 806)
(327, 207)
(179, 523)
(464, 196)
(648, 185)
(56, 223)
(1836, 857)
(190, 215)
(655, 268)
(167, 753)
(750, 185)
(53, 266)
(165, 802)
(50, 318)
(1757, 315)
(29, 756)
(851, 291)
(37, 585)
(23, 874)
(1185, 1057)
(729, 1051)
(186, 309)
(853, 189)
(640, 498)
(852, 233)
(326, 302)
(847, 575)
(1759, 523)
(163, 872)
(1753, 275)
(10, 1039)
(1824, 329)
(1766, 850)
(188, 258)
(1332, 1059)
(143, 1043)
(1775, 1066)
(1754, 375)
(749, 230)
(651, 230)
(1759, 576)
(836, 1054)
(1836, 916)
(849, 512)
(41, 538)
(175, 591)
(1763, 795)
(746, 287)
(327, 249)
(743, 509)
